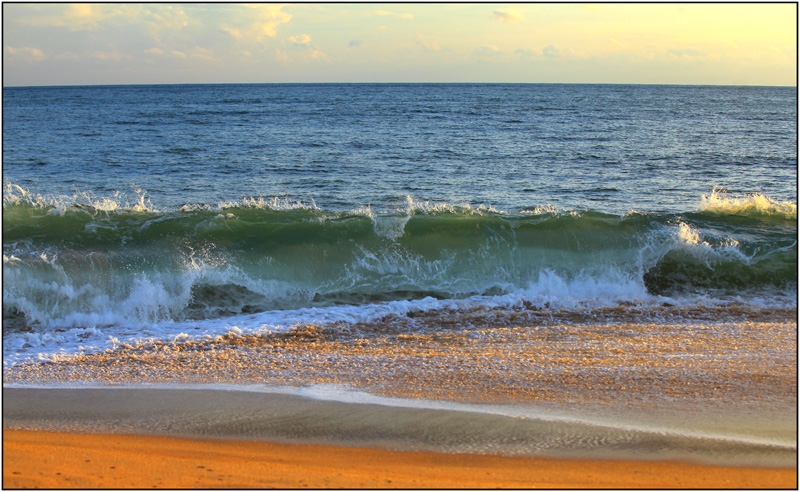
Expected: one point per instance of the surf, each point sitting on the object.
(89, 261)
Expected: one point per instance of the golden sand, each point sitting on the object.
(37, 459)
(588, 363)
(739, 366)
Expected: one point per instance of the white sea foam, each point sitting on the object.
(610, 288)
(86, 314)
(628, 422)
(155, 300)
(273, 203)
(689, 240)
(389, 226)
(14, 194)
(94, 303)
(719, 201)
(102, 329)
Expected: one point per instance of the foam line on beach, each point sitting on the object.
(52, 345)
(336, 415)
(343, 394)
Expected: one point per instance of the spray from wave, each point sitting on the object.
(754, 205)
(83, 261)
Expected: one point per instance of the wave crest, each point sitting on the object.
(15, 195)
(756, 204)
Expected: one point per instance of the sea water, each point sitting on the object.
(143, 217)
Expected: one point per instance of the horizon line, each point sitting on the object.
(393, 83)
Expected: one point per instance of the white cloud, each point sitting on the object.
(257, 22)
(85, 16)
(427, 44)
(303, 42)
(76, 17)
(550, 51)
(97, 16)
(300, 39)
(48, 43)
(268, 27)
(730, 42)
(233, 32)
(110, 56)
(26, 53)
(160, 19)
(201, 53)
(151, 20)
(686, 53)
(508, 16)
(528, 53)
(67, 55)
(487, 50)
(393, 14)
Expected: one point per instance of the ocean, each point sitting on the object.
(611, 266)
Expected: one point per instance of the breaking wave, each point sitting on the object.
(78, 261)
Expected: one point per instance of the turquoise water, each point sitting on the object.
(209, 263)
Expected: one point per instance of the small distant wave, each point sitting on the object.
(274, 203)
(16, 196)
(718, 202)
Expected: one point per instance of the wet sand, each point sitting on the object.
(679, 381)
(463, 357)
(68, 460)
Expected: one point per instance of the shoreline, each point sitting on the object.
(73, 460)
(335, 416)
(601, 405)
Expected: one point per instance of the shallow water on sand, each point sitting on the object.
(336, 416)
(721, 390)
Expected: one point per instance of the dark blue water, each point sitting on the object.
(608, 148)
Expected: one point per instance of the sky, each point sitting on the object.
(650, 43)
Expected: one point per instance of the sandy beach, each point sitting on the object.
(200, 438)
(38, 459)
(310, 409)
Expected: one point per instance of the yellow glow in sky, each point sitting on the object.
(739, 44)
